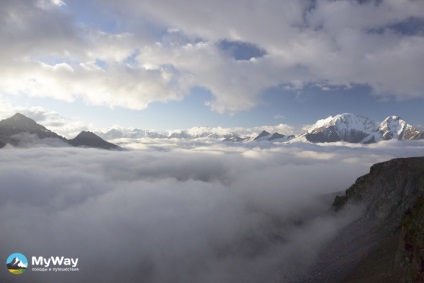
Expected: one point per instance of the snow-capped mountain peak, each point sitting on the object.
(345, 121)
(393, 127)
(346, 127)
(355, 128)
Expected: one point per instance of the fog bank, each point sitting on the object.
(209, 213)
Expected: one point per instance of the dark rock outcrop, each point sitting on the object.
(89, 139)
(262, 135)
(386, 244)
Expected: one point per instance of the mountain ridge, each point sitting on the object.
(353, 128)
(346, 127)
(18, 124)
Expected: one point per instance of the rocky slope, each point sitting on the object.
(387, 243)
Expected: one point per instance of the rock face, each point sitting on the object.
(392, 227)
(389, 190)
(410, 253)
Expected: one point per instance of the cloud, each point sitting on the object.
(67, 61)
(26, 140)
(305, 41)
(205, 214)
(163, 49)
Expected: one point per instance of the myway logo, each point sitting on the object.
(54, 260)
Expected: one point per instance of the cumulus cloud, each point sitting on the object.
(206, 214)
(305, 42)
(67, 61)
(165, 48)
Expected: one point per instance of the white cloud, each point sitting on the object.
(330, 42)
(335, 42)
(208, 214)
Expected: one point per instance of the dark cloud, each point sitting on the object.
(207, 214)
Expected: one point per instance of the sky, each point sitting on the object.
(179, 64)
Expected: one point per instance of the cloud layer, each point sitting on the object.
(160, 50)
(205, 214)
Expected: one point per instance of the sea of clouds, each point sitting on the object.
(192, 212)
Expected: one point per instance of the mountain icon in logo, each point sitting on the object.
(16, 263)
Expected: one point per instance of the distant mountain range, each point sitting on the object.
(11, 130)
(350, 128)
(354, 128)
(345, 127)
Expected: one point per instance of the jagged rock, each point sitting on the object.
(386, 243)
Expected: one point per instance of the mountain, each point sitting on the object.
(354, 128)
(90, 139)
(264, 135)
(16, 264)
(18, 124)
(347, 127)
(275, 137)
(394, 127)
(386, 244)
(12, 129)
(344, 127)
